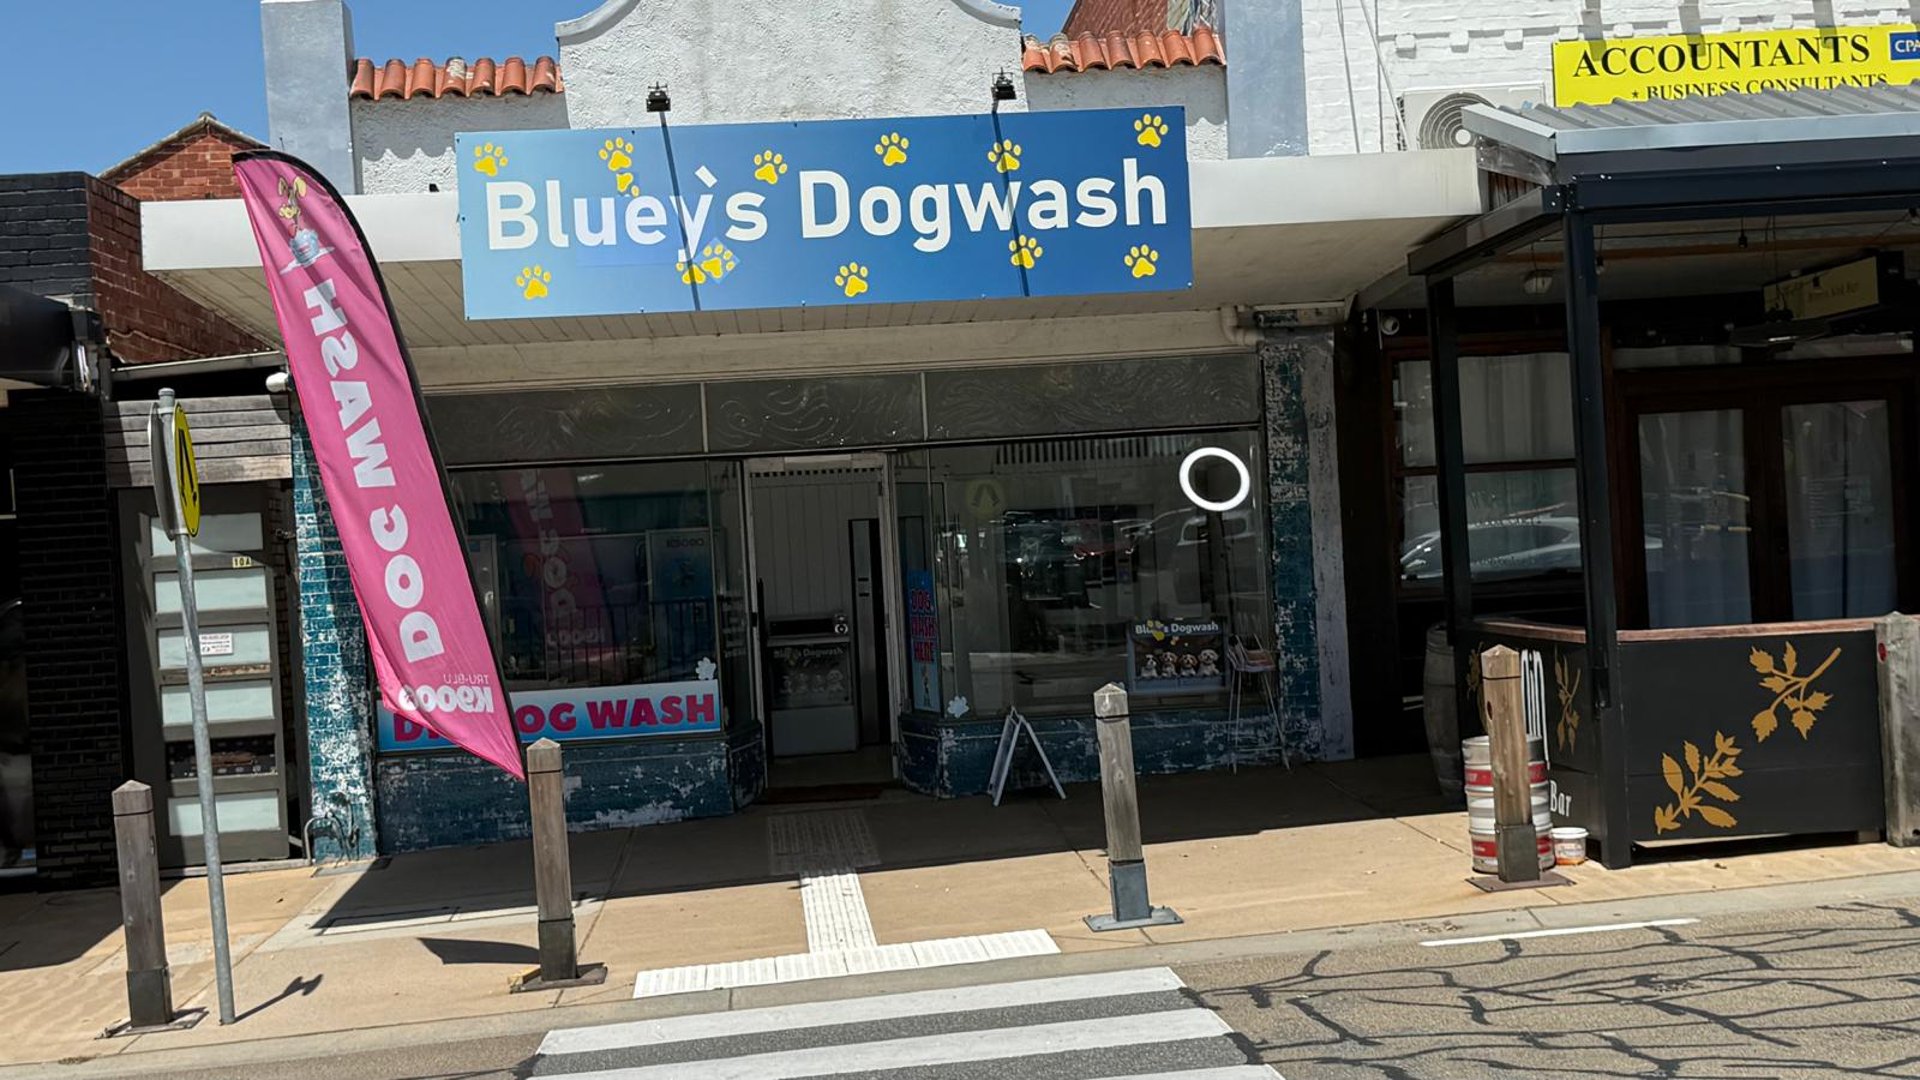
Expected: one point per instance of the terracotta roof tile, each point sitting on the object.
(1114, 50)
(460, 78)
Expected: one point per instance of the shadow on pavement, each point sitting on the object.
(908, 831)
(296, 988)
(462, 951)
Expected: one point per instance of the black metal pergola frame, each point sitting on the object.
(1648, 180)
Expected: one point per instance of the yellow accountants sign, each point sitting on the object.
(1701, 65)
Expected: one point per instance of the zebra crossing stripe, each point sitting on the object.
(817, 1014)
(930, 1050)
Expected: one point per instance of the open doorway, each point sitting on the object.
(822, 533)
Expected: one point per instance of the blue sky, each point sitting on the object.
(122, 73)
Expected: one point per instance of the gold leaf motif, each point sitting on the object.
(1707, 776)
(1665, 819)
(1792, 690)
(1717, 817)
(1567, 686)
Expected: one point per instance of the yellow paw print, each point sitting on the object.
(618, 154)
(852, 278)
(892, 149)
(1151, 129)
(714, 263)
(768, 166)
(533, 281)
(1026, 251)
(1142, 260)
(1005, 155)
(488, 158)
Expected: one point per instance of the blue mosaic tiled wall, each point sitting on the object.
(333, 643)
(439, 800)
(955, 759)
(1295, 641)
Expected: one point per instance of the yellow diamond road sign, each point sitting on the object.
(186, 473)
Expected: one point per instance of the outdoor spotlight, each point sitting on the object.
(1537, 282)
(1002, 87)
(657, 99)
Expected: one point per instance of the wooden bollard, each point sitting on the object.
(149, 985)
(1517, 840)
(1897, 641)
(552, 865)
(1126, 861)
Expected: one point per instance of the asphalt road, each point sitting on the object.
(1828, 992)
(1823, 992)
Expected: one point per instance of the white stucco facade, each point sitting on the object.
(726, 62)
(1202, 91)
(1363, 57)
(403, 146)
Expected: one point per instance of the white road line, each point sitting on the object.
(1224, 1072)
(857, 1010)
(927, 1050)
(836, 913)
(1220, 1073)
(1559, 933)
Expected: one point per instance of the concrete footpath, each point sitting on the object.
(737, 909)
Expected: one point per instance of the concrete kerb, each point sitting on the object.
(135, 1059)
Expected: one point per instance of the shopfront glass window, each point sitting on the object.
(599, 576)
(1840, 514)
(1062, 565)
(1512, 408)
(1694, 501)
(1517, 433)
(1520, 523)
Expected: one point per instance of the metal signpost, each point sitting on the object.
(176, 490)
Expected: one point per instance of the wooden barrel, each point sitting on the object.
(1443, 721)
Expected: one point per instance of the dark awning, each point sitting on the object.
(1775, 127)
(37, 339)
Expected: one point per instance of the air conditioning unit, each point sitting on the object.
(1433, 119)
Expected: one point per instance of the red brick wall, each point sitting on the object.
(147, 319)
(1101, 17)
(199, 166)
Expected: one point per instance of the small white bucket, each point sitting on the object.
(1569, 846)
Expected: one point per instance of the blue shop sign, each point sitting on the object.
(729, 216)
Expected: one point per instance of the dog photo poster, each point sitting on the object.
(1178, 657)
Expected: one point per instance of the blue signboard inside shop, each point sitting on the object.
(929, 208)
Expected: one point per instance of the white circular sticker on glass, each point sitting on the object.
(1219, 506)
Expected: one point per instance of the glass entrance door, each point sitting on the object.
(1768, 504)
